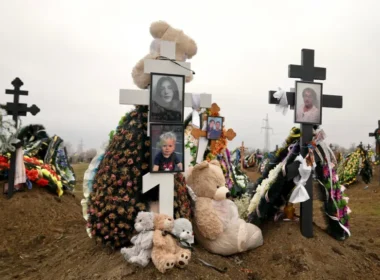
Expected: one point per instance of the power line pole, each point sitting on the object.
(267, 128)
(80, 147)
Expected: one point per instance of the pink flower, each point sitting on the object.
(338, 195)
(342, 188)
(129, 184)
(348, 210)
(93, 232)
(99, 214)
(113, 177)
(98, 225)
(326, 172)
(106, 237)
(88, 225)
(120, 182)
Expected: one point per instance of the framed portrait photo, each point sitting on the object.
(214, 127)
(167, 148)
(308, 103)
(167, 94)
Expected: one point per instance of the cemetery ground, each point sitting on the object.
(44, 237)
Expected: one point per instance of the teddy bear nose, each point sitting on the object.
(228, 194)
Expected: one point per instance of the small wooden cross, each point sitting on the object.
(242, 150)
(16, 109)
(307, 72)
(214, 111)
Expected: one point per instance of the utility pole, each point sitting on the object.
(267, 128)
(80, 147)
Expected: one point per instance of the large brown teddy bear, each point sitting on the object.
(186, 48)
(217, 225)
(166, 251)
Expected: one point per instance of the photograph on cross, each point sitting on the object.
(308, 103)
(167, 98)
(167, 148)
(214, 127)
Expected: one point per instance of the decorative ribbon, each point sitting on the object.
(283, 105)
(328, 152)
(299, 193)
(202, 144)
(332, 217)
(196, 105)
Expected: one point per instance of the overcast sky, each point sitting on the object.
(74, 55)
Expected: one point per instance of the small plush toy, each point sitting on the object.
(183, 230)
(217, 225)
(140, 253)
(186, 48)
(166, 252)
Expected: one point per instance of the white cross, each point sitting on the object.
(141, 97)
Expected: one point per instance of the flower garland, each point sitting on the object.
(355, 163)
(43, 175)
(191, 144)
(263, 188)
(8, 132)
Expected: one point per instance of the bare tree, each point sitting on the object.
(90, 154)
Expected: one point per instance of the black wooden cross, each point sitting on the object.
(376, 134)
(307, 72)
(16, 109)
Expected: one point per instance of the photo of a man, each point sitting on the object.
(214, 127)
(308, 103)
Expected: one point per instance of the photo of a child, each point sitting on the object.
(167, 148)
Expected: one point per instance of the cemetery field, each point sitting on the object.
(44, 237)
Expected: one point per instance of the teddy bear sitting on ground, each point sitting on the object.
(140, 253)
(217, 225)
(166, 252)
(183, 230)
(186, 48)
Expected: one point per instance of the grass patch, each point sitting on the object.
(79, 169)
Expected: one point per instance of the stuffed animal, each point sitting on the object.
(183, 230)
(166, 252)
(217, 225)
(186, 48)
(140, 253)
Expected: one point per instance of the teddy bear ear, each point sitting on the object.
(202, 165)
(158, 29)
(215, 162)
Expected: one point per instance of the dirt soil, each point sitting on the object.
(43, 237)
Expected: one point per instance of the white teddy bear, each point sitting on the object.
(140, 253)
(183, 230)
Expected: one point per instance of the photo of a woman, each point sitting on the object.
(308, 102)
(166, 98)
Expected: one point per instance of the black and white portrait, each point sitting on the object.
(308, 103)
(167, 148)
(167, 98)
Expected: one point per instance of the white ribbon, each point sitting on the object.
(299, 193)
(202, 144)
(196, 105)
(282, 106)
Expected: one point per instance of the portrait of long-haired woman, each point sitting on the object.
(166, 98)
